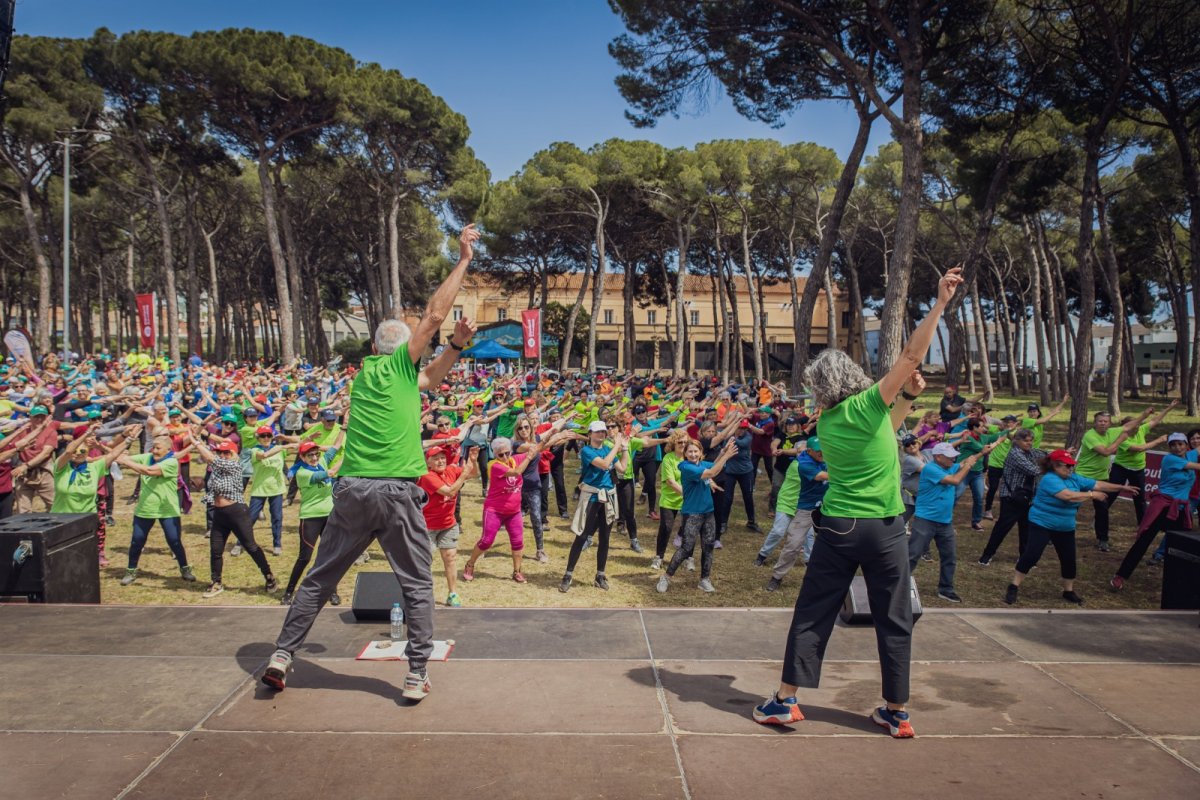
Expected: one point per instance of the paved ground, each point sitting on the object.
(162, 702)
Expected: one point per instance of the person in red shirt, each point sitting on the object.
(37, 482)
(442, 483)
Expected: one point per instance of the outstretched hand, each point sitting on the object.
(949, 284)
(915, 383)
(466, 240)
(464, 331)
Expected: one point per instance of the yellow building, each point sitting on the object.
(485, 302)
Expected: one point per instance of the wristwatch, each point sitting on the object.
(458, 349)
(908, 396)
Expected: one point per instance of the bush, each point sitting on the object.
(352, 350)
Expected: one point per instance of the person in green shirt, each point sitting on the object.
(1129, 463)
(979, 440)
(1036, 423)
(78, 476)
(670, 492)
(1094, 461)
(158, 500)
(267, 482)
(314, 476)
(995, 462)
(860, 522)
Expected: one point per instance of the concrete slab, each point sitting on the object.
(468, 696)
(80, 766)
(1187, 748)
(257, 765)
(961, 699)
(720, 767)
(1075, 636)
(1158, 700)
(762, 634)
(543, 634)
(97, 693)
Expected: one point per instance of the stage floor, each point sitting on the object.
(164, 702)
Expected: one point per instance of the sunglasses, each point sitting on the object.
(265, 436)
(443, 424)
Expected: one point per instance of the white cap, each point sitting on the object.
(944, 449)
(597, 425)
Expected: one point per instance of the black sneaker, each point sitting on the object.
(272, 584)
(950, 596)
(1102, 546)
(1010, 595)
(1155, 561)
(286, 600)
(721, 529)
(753, 526)
(335, 599)
(759, 560)
(601, 581)
(984, 562)
(1071, 597)
(774, 584)
(565, 586)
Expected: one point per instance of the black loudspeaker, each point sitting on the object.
(856, 610)
(50, 558)
(374, 594)
(1181, 570)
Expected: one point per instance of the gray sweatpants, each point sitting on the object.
(799, 541)
(365, 509)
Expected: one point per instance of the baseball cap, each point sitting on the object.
(328, 414)
(1009, 418)
(224, 447)
(174, 412)
(260, 398)
(597, 425)
(37, 411)
(93, 414)
(1062, 457)
(229, 418)
(944, 449)
(744, 423)
(308, 447)
(265, 430)
(814, 443)
(908, 440)
(250, 411)
(314, 401)
(1033, 407)
(765, 409)
(435, 451)
(1177, 437)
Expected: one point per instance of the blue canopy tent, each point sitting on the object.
(488, 350)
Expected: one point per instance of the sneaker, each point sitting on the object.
(236, 550)
(1010, 594)
(759, 560)
(677, 541)
(774, 711)
(453, 600)
(545, 521)
(278, 667)
(1071, 597)
(109, 520)
(664, 583)
(1155, 561)
(690, 564)
(635, 545)
(984, 562)
(277, 550)
(950, 596)
(1102, 546)
(129, 577)
(565, 586)
(286, 600)
(364, 558)
(416, 686)
(519, 577)
(103, 560)
(653, 515)
(601, 581)
(705, 585)
(1117, 583)
(753, 526)
(541, 557)
(564, 515)
(656, 563)
(717, 545)
(927, 557)
(272, 584)
(213, 590)
(975, 526)
(187, 574)
(896, 722)
(335, 599)
(774, 584)
(988, 515)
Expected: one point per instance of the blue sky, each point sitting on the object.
(525, 73)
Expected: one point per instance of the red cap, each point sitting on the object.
(308, 447)
(435, 451)
(264, 429)
(1062, 457)
(260, 398)
(225, 447)
(744, 423)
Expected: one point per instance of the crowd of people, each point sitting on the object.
(846, 476)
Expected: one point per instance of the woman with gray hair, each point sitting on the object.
(1021, 470)
(860, 523)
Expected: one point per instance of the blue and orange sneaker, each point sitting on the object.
(895, 721)
(774, 711)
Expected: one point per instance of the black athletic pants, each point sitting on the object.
(993, 485)
(595, 523)
(1012, 512)
(233, 519)
(724, 502)
(1134, 477)
(310, 531)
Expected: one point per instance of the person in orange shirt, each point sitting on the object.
(765, 396)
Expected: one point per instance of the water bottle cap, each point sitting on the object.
(395, 605)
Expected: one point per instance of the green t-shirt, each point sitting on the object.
(1038, 431)
(266, 476)
(669, 470)
(789, 490)
(78, 496)
(159, 497)
(635, 444)
(383, 439)
(507, 421)
(316, 497)
(1000, 454)
(860, 457)
(322, 436)
(970, 446)
(1092, 464)
(586, 414)
(1128, 458)
(249, 437)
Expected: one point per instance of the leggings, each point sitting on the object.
(1039, 537)
(531, 501)
(596, 522)
(102, 526)
(141, 532)
(233, 519)
(993, 485)
(627, 506)
(493, 521)
(725, 502)
(560, 485)
(702, 527)
(1134, 477)
(1100, 507)
(647, 468)
(1012, 512)
(1168, 515)
(766, 460)
(310, 530)
(544, 495)
(666, 522)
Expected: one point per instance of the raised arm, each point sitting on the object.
(913, 354)
(442, 300)
(435, 371)
(728, 452)
(912, 387)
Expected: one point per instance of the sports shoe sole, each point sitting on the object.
(902, 731)
(275, 679)
(794, 715)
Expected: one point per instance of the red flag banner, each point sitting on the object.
(145, 313)
(531, 332)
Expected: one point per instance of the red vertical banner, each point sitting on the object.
(145, 313)
(531, 333)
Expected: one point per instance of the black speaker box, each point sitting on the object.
(374, 594)
(50, 558)
(1181, 570)
(856, 610)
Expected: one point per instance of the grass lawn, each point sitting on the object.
(739, 583)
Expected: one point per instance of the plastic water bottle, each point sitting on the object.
(397, 622)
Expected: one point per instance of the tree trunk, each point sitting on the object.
(43, 326)
(965, 336)
(682, 242)
(598, 286)
(564, 347)
(1081, 376)
(278, 261)
(985, 362)
(831, 323)
(755, 302)
(958, 356)
(295, 266)
(1112, 279)
(393, 226)
(216, 311)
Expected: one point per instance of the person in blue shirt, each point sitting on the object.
(933, 519)
(1168, 508)
(800, 535)
(1056, 501)
(699, 521)
(597, 509)
(738, 473)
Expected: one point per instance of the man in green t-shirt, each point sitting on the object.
(1129, 463)
(157, 501)
(980, 440)
(1096, 450)
(377, 496)
(267, 483)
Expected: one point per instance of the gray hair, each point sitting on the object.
(390, 334)
(833, 376)
(501, 443)
(1023, 433)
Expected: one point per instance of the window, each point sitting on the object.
(695, 318)
(651, 317)
(457, 313)
(608, 316)
(501, 314)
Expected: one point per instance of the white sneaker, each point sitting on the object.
(706, 586)
(656, 563)
(278, 667)
(690, 564)
(236, 550)
(416, 686)
(663, 584)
